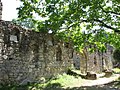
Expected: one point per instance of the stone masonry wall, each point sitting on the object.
(26, 56)
(98, 61)
(94, 62)
(1, 10)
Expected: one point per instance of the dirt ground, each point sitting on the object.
(99, 84)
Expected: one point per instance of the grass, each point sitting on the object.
(116, 70)
(59, 81)
(55, 83)
(63, 80)
(66, 80)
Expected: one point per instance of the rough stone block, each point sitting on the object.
(108, 73)
(91, 76)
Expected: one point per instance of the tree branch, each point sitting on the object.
(112, 12)
(96, 20)
(107, 26)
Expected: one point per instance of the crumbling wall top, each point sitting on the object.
(1, 6)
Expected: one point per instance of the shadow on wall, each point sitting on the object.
(76, 60)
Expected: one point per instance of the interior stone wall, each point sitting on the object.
(94, 62)
(26, 56)
(101, 61)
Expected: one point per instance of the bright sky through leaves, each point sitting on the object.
(9, 9)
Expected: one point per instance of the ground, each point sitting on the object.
(99, 84)
(69, 82)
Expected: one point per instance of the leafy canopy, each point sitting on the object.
(84, 22)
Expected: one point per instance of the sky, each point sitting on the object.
(9, 9)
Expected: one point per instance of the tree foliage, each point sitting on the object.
(26, 23)
(83, 22)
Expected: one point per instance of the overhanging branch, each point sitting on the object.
(112, 12)
(95, 20)
(107, 26)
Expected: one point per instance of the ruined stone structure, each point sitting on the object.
(0, 10)
(26, 56)
(94, 62)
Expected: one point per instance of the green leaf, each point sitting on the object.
(47, 1)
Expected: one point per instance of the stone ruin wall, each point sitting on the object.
(96, 61)
(1, 10)
(26, 56)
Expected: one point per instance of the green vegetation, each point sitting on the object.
(66, 80)
(83, 22)
(60, 82)
(116, 70)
